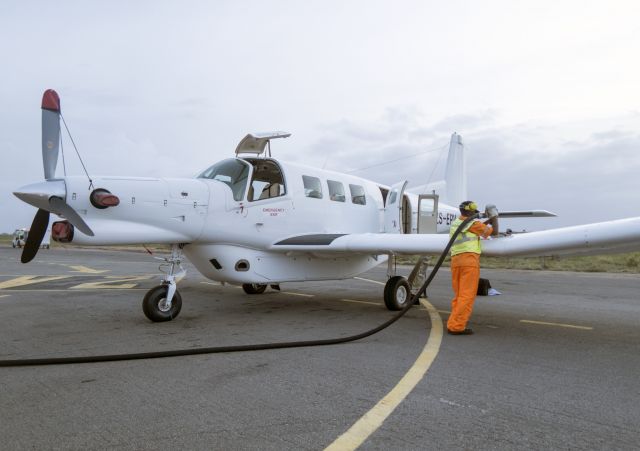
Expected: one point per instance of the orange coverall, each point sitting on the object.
(465, 274)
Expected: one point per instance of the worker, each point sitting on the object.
(465, 267)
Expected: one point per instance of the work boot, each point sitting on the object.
(460, 332)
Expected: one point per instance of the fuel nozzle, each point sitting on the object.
(491, 212)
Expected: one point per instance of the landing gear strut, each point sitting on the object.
(163, 302)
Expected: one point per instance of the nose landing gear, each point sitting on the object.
(163, 302)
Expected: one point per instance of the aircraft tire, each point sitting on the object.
(396, 293)
(152, 304)
(254, 288)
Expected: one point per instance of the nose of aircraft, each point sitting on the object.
(38, 194)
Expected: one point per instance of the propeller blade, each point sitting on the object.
(60, 207)
(50, 132)
(38, 229)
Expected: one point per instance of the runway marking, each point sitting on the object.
(84, 269)
(219, 284)
(115, 284)
(361, 302)
(543, 323)
(373, 419)
(27, 290)
(369, 280)
(298, 294)
(28, 280)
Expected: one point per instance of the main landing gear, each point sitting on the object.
(254, 288)
(258, 288)
(163, 302)
(399, 290)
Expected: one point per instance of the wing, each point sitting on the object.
(599, 238)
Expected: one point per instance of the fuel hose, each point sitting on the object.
(243, 348)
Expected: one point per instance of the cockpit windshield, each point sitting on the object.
(232, 172)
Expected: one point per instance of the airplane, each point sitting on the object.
(257, 221)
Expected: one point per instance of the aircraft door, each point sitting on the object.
(428, 213)
(393, 209)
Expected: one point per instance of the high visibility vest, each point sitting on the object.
(465, 241)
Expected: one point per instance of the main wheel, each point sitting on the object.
(154, 304)
(397, 293)
(254, 288)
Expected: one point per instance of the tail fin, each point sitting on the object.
(456, 172)
(453, 189)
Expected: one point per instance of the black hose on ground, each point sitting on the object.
(242, 348)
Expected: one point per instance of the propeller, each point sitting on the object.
(48, 196)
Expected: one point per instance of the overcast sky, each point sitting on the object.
(546, 94)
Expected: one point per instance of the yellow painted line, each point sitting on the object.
(361, 302)
(373, 419)
(543, 323)
(219, 284)
(111, 283)
(84, 269)
(28, 280)
(443, 311)
(28, 290)
(298, 294)
(369, 280)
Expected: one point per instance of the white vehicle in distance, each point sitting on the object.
(20, 238)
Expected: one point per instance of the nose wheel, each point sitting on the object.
(157, 307)
(163, 302)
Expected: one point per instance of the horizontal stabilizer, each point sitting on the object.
(527, 214)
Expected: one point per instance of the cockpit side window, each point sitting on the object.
(232, 172)
(267, 181)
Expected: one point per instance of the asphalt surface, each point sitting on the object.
(554, 363)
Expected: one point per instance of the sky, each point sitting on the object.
(544, 93)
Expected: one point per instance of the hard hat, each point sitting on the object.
(469, 206)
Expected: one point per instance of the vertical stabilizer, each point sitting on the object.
(456, 173)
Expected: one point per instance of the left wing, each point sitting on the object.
(622, 235)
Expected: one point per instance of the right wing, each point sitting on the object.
(622, 235)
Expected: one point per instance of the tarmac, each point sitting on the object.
(554, 362)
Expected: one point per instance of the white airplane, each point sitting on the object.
(258, 221)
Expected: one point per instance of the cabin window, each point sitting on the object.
(357, 194)
(336, 191)
(312, 187)
(267, 181)
(233, 173)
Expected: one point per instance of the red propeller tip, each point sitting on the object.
(50, 100)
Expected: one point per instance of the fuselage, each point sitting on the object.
(232, 213)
